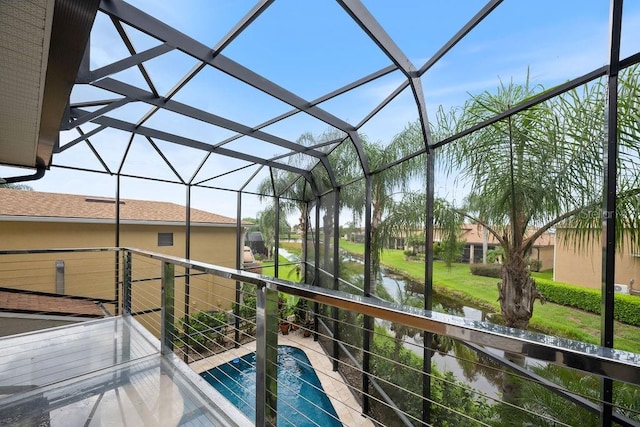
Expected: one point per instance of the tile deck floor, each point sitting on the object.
(346, 406)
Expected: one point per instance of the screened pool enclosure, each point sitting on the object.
(359, 123)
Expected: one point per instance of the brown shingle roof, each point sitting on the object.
(55, 205)
(18, 302)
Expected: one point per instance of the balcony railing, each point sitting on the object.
(206, 315)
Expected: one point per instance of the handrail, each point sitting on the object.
(56, 250)
(602, 361)
(592, 359)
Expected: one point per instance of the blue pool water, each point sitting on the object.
(301, 399)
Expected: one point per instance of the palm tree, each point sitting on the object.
(266, 224)
(409, 214)
(544, 407)
(384, 185)
(540, 168)
(294, 191)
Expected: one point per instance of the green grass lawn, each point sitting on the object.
(286, 271)
(550, 318)
(547, 274)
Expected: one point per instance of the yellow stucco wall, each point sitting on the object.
(93, 274)
(583, 265)
(545, 255)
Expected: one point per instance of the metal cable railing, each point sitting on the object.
(539, 379)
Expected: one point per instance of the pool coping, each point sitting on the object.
(343, 401)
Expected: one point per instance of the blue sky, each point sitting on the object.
(312, 48)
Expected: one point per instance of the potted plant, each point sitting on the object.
(307, 327)
(287, 306)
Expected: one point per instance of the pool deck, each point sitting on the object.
(346, 406)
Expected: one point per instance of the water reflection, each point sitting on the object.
(449, 355)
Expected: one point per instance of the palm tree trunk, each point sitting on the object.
(485, 244)
(517, 292)
(327, 221)
(376, 246)
(304, 229)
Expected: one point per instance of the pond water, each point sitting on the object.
(479, 372)
(447, 361)
(288, 255)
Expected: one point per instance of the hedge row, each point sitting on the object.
(488, 270)
(626, 309)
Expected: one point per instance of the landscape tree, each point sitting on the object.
(408, 214)
(267, 226)
(293, 189)
(534, 170)
(384, 185)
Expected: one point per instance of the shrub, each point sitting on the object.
(409, 252)
(488, 270)
(626, 309)
(247, 311)
(535, 265)
(455, 403)
(204, 327)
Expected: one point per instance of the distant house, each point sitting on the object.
(582, 264)
(472, 234)
(38, 220)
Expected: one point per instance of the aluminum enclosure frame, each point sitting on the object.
(97, 113)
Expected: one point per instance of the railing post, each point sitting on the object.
(239, 262)
(276, 238)
(316, 271)
(126, 284)
(167, 328)
(187, 277)
(369, 288)
(428, 287)
(335, 314)
(266, 356)
(610, 195)
(116, 282)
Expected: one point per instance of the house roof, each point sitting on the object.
(472, 233)
(29, 205)
(25, 302)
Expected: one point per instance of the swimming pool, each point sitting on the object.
(301, 398)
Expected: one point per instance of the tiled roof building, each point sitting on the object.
(35, 204)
